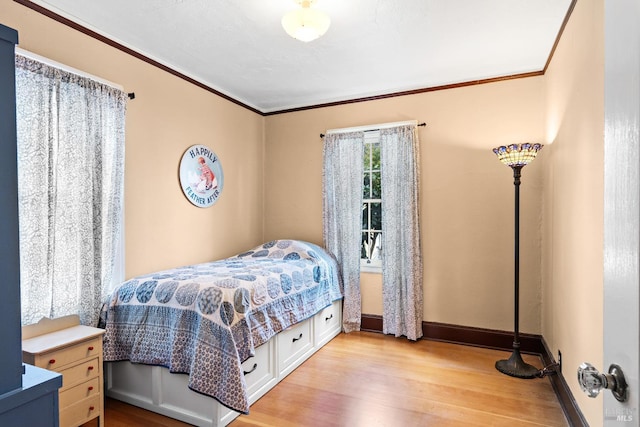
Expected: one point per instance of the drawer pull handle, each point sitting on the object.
(299, 337)
(52, 361)
(326, 319)
(255, 366)
(90, 387)
(91, 348)
(90, 368)
(91, 408)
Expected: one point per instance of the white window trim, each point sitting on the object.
(370, 268)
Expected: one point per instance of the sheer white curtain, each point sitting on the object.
(402, 287)
(342, 210)
(70, 179)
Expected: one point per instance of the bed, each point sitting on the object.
(216, 323)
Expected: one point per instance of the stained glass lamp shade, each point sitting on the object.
(517, 154)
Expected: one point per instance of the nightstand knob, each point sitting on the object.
(91, 348)
(90, 387)
(52, 361)
(91, 408)
(90, 368)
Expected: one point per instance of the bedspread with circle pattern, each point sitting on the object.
(206, 319)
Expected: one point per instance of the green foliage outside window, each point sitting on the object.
(371, 205)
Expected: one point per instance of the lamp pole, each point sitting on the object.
(516, 157)
(516, 256)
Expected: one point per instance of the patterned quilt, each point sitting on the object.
(206, 319)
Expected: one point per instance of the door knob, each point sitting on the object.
(592, 382)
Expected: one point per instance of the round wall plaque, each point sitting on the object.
(201, 176)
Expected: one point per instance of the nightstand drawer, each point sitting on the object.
(58, 359)
(79, 392)
(80, 373)
(80, 412)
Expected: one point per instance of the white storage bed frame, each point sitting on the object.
(154, 388)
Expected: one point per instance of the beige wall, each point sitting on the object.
(572, 317)
(163, 229)
(467, 201)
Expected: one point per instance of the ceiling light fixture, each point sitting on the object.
(306, 24)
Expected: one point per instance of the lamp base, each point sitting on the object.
(516, 367)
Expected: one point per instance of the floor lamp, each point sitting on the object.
(517, 156)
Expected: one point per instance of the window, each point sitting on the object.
(70, 135)
(357, 164)
(371, 245)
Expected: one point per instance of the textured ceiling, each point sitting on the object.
(373, 47)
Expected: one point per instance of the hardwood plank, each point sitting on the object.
(364, 378)
(372, 379)
(120, 414)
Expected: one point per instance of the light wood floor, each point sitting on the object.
(369, 379)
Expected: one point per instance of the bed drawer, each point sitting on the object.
(328, 323)
(259, 369)
(294, 344)
(260, 375)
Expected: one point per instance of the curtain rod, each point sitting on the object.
(373, 127)
(69, 69)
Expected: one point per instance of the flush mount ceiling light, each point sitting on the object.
(306, 24)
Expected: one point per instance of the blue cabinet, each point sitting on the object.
(28, 395)
(35, 403)
(10, 351)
